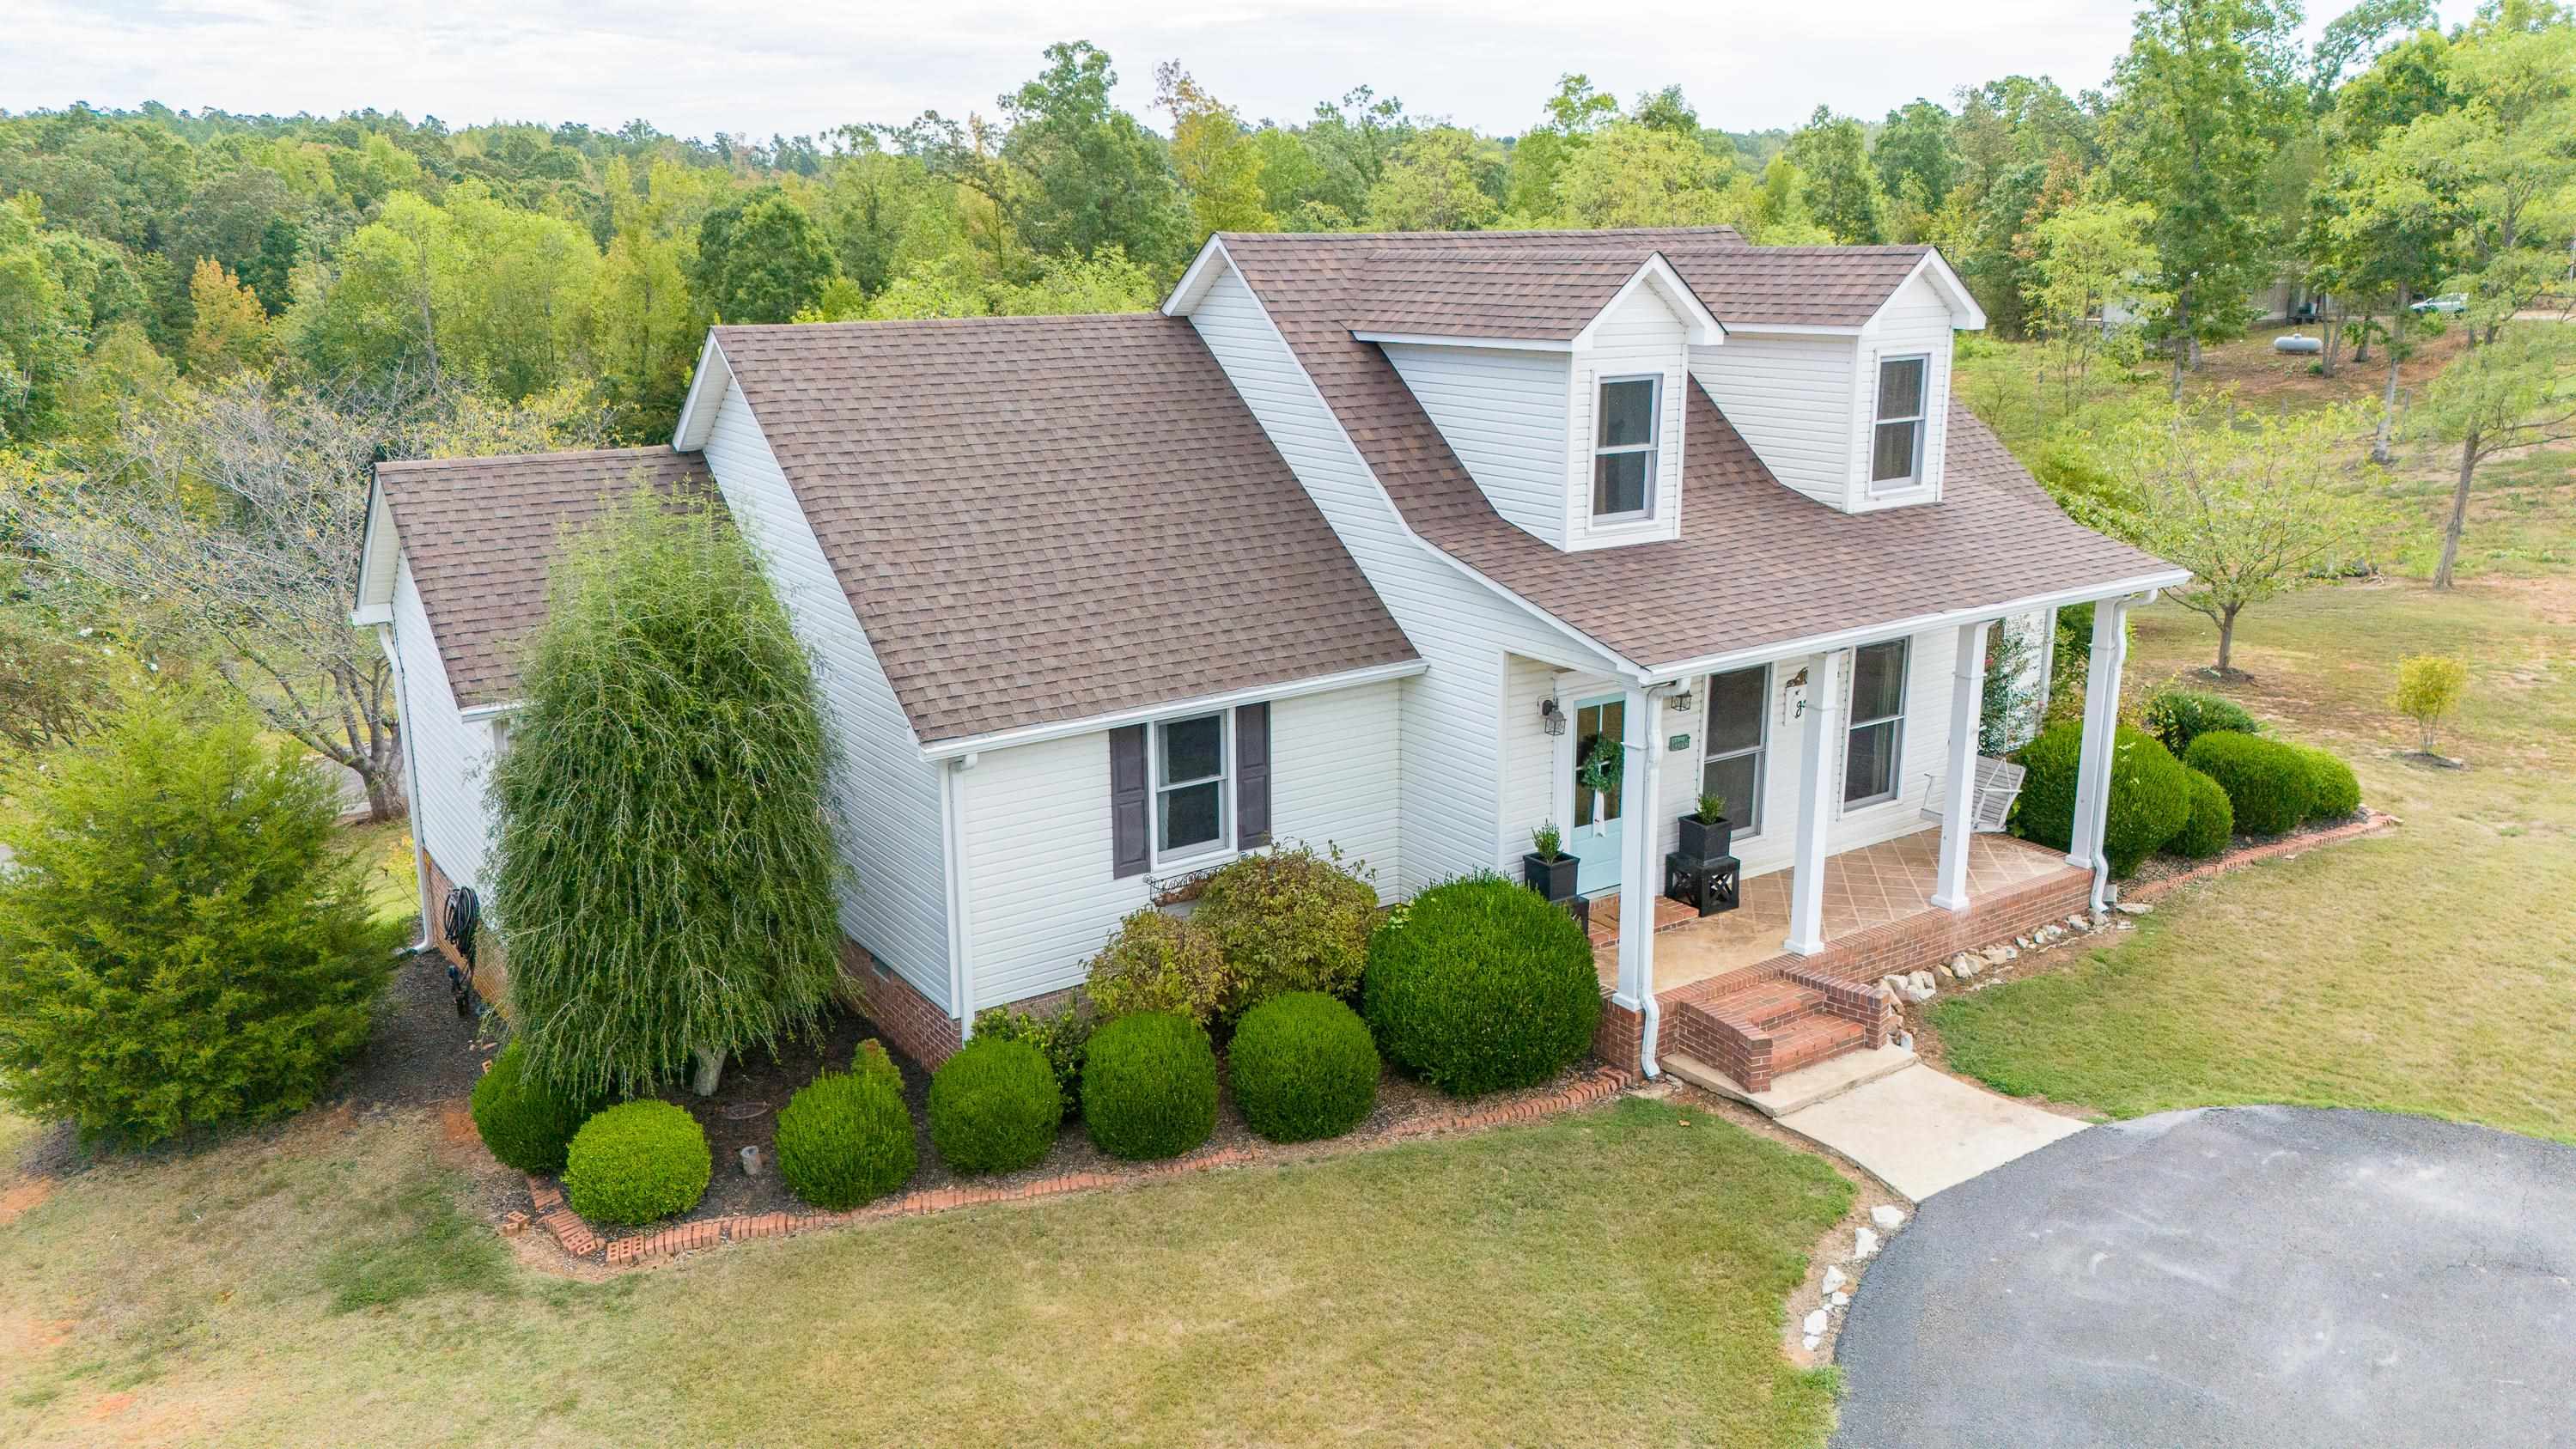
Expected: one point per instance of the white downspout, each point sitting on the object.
(960, 914)
(411, 784)
(2101, 901)
(1650, 1016)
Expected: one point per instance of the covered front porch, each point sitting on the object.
(1866, 890)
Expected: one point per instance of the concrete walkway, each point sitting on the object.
(1922, 1130)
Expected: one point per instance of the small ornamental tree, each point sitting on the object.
(2429, 687)
(665, 873)
(182, 941)
(2254, 506)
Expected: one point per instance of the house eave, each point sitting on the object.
(949, 749)
(1859, 634)
(1436, 339)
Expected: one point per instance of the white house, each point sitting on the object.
(1369, 540)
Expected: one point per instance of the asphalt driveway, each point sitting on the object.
(2256, 1276)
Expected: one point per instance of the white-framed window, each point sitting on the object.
(1736, 743)
(1193, 770)
(1625, 444)
(1896, 429)
(1877, 732)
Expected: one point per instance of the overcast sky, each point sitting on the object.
(800, 66)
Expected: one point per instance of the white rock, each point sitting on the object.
(2052, 932)
(1841, 1300)
(1815, 1324)
(1921, 994)
(1888, 1217)
(2012, 953)
(1997, 955)
(1864, 1243)
(1812, 1341)
(1944, 972)
(1961, 962)
(2133, 908)
(1834, 1280)
(1969, 966)
(2079, 923)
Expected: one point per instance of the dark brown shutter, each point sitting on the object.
(1130, 801)
(1251, 776)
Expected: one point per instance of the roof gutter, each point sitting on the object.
(1198, 704)
(1866, 633)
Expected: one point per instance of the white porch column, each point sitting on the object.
(1819, 776)
(1641, 872)
(2101, 720)
(1967, 699)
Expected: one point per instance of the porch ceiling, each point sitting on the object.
(1876, 885)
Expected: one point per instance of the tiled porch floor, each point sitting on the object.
(1873, 886)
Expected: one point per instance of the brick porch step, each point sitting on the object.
(1767, 1005)
(1812, 1039)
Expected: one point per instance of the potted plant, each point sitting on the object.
(1706, 831)
(1547, 868)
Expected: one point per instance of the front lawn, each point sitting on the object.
(1610, 1276)
(2432, 970)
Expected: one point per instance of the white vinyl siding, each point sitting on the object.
(1792, 399)
(1504, 415)
(1452, 787)
(887, 796)
(451, 814)
(1915, 322)
(1641, 337)
(1037, 847)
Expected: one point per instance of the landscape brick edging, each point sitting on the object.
(2370, 823)
(577, 1237)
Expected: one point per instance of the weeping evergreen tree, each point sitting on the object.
(664, 880)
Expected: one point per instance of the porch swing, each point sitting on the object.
(1990, 800)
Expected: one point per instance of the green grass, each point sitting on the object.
(1613, 1275)
(2426, 971)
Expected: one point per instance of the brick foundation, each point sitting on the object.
(903, 1015)
(491, 977)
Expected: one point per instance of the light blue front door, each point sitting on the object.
(1594, 838)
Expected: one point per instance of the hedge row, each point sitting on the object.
(2229, 780)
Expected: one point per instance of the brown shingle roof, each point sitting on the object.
(1756, 563)
(1535, 295)
(481, 533)
(1047, 518)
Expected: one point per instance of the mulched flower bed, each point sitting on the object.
(2162, 874)
(744, 1112)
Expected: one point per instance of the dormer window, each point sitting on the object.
(1624, 449)
(1896, 440)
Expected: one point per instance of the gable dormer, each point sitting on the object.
(1556, 379)
(1837, 367)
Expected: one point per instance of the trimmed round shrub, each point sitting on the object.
(525, 1123)
(2338, 789)
(1481, 985)
(1156, 962)
(1149, 1086)
(1287, 920)
(2178, 716)
(637, 1162)
(844, 1139)
(2150, 793)
(1303, 1067)
(2211, 824)
(1061, 1038)
(993, 1106)
(2268, 782)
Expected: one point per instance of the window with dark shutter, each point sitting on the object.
(1130, 802)
(1251, 776)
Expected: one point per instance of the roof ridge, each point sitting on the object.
(555, 455)
(887, 324)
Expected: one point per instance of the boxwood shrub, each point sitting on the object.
(2338, 789)
(1287, 920)
(1481, 985)
(844, 1139)
(1061, 1038)
(993, 1106)
(2211, 824)
(2270, 784)
(1303, 1067)
(637, 1162)
(1149, 1086)
(2178, 716)
(527, 1124)
(2150, 793)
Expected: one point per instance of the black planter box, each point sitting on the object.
(1553, 879)
(1701, 841)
